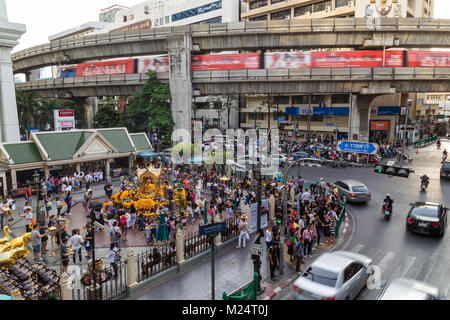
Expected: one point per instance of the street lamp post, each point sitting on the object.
(36, 177)
(259, 234)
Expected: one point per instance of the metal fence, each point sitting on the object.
(154, 261)
(114, 283)
(195, 244)
(232, 229)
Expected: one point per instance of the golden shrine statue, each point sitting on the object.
(12, 250)
(150, 181)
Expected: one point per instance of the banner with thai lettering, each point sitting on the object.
(158, 64)
(356, 59)
(287, 60)
(239, 61)
(105, 68)
(428, 59)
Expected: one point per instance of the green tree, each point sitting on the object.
(44, 112)
(108, 116)
(149, 109)
(27, 105)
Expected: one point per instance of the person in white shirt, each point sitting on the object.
(28, 217)
(268, 237)
(306, 196)
(75, 244)
(114, 256)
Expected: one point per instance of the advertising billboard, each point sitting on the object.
(105, 68)
(380, 125)
(158, 64)
(64, 119)
(225, 62)
(428, 59)
(287, 60)
(356, 59)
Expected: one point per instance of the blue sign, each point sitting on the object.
(330, 124)
(357, 147)
(281, 119)
(212, 228)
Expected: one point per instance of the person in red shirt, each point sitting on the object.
(28, 193)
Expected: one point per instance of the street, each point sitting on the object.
(397, 252)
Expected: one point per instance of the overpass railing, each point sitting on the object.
(314, 74)
(273, 26)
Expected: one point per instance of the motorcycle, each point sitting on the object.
(386, 212)
(424, 185)
(444, 158)
(438, 145)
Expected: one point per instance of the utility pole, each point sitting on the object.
(259, 232)
(408, 105)
(309, 119)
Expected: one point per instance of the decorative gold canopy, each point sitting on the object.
(149, 181)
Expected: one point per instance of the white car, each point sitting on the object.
(409, 289)
(338, 275)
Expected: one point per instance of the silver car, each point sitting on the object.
(353, 190)
(408, 289)
(337, 275)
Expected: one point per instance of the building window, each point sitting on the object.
(276, 1)
(161, 21)
(257, 116)
(321, 6)
(131, 16)
(146, 11)
(314, 118)
(281, 100)
(301, 11)
(339, 98)
(318, 99)
(259, 18)
(202, 105)
(300, 100)
(281, 15)
(341, 3)
(125, 18)
(167, 19)
(258, 4)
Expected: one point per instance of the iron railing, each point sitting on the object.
(154, 261)
(195, 244)
(115, 284)
(232, 229)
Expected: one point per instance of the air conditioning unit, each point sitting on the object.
(307, 13)
(351, 3)
(328, 9)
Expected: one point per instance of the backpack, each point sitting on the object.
(123, 221)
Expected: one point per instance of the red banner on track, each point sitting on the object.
(287, 60)
(225, 62)
(105, 68)
(428, 59)
(356, 59)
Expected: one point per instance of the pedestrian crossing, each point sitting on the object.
(432, 268)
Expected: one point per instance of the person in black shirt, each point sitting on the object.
(43, 230)
(64, 255)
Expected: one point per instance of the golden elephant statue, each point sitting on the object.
(21, 241)
(5, 239)
(8, 258)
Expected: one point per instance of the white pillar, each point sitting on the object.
(66, 291)
(131, 269)
(180, 246)
(108, 170)
(179, 47)
(292, 195)
(14, 179)
(9, 121)
(271, 207)
(46, 172)
(218, 239)
(78, 166)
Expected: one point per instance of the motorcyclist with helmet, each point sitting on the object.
(387, 204)
(424, 179)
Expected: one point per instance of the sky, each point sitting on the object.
(47, 17)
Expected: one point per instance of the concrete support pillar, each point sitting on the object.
(131, 269)
(218, 239)
(271, 207)
(108, 170)
(66, 291)
(358, 128)
(14, 179)
(46, 172)
(4, 183)
(78, 166)
(180, 47)
(180, 246)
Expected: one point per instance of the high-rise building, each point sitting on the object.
(330, 111)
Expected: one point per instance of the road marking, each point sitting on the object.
(409, 262)
(384, 263)
(357, 248)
